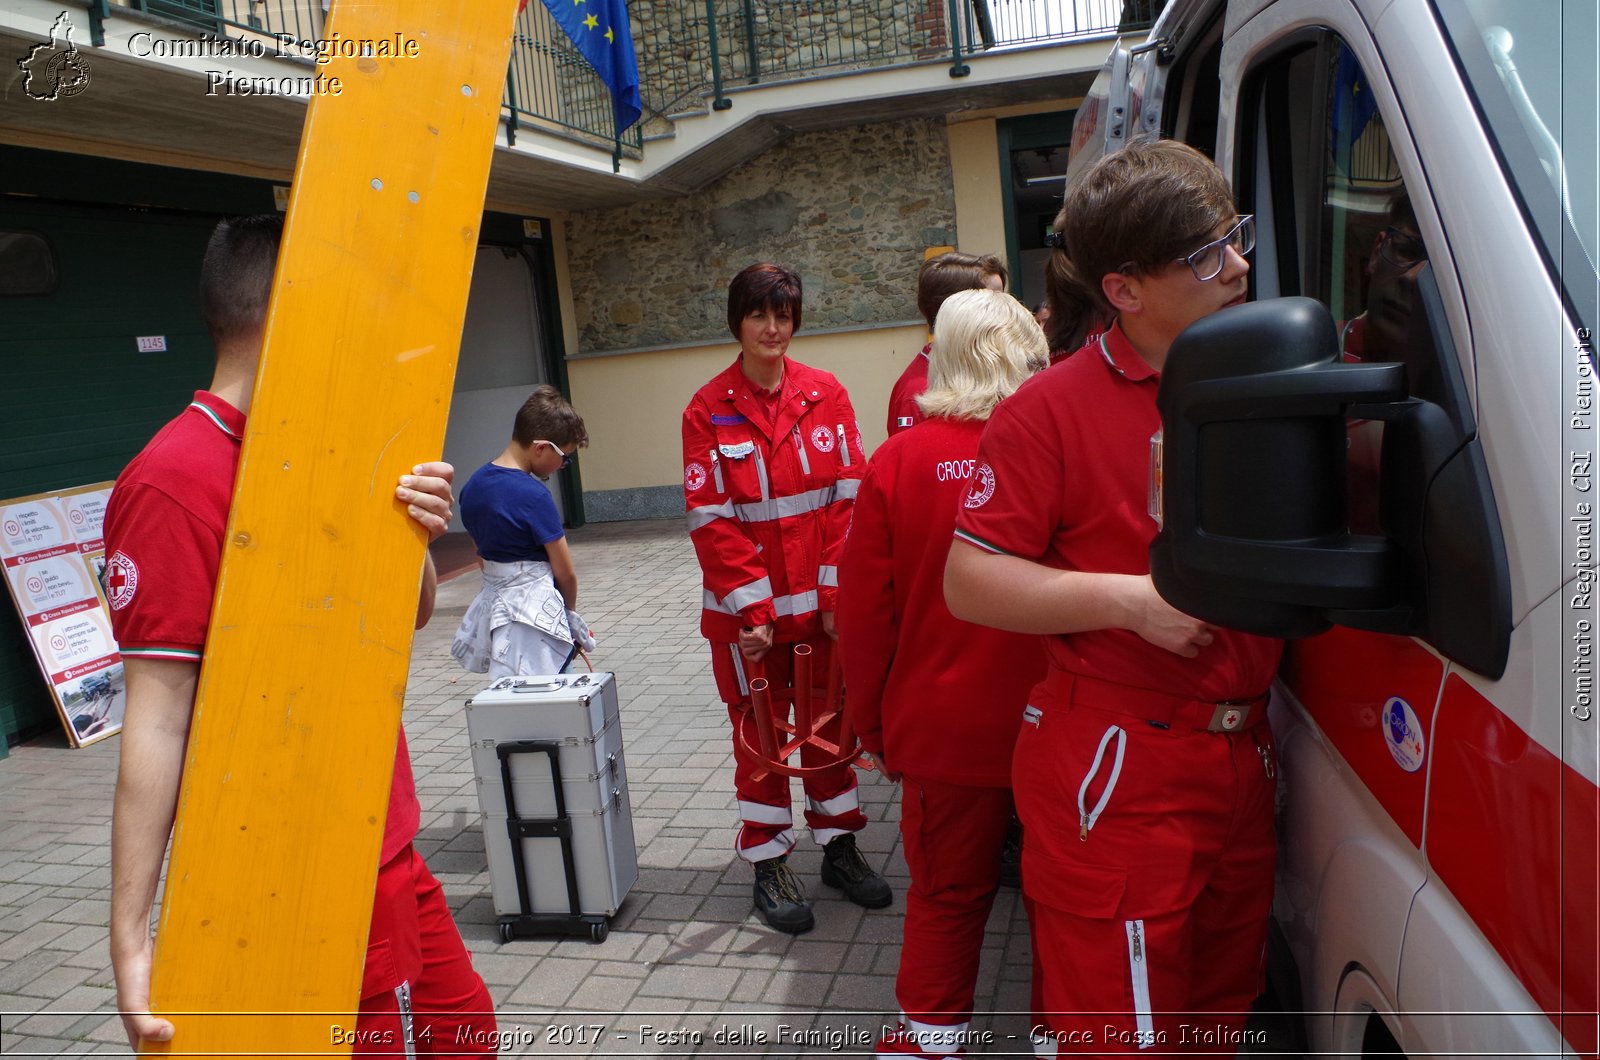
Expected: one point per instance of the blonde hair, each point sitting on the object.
(985, 344)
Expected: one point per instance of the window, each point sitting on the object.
(1343, 226)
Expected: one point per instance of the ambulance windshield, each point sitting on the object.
(1532, 70)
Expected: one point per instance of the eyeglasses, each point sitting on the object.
(566, 458)
(1402, 249)
(1206, 263)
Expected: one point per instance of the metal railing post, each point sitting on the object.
(957, 67)
(750, 41)
(99, 11)
(718, 100)
(511, 96)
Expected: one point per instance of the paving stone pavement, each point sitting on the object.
(685, 971)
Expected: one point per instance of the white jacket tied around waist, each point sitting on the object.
(522, 594)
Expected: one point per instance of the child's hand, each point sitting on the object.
(426, 494)
(582, 635)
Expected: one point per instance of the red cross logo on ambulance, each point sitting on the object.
(1403, 734)
(822, 438)
(982, 487)
(694, 476)
(122, 578)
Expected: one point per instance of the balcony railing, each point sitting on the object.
(693, 49)
(549, 84)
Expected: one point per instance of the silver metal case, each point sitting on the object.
(579, 714)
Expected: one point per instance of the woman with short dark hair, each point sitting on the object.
(771, 461)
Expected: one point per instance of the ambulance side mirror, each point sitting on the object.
(1253, 500)
(1254, 465)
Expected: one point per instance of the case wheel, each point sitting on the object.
(598, 932)
(506, 933)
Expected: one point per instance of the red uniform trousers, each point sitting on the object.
(832, 805)
(952, 835)
(419, 983)
(1148, 868)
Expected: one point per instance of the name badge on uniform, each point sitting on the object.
(737, 451)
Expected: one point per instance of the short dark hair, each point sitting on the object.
(944, 274)
(236, 275)
(546, 417)
(1139, 209)
(763, 286)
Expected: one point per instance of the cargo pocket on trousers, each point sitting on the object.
(1086, 890)
(382, 974)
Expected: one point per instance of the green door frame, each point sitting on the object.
(1018, 134)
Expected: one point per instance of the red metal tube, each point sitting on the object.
(761, 707)
(802, 692)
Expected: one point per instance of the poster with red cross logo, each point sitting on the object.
(52, 547)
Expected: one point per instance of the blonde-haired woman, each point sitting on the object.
(937, 701)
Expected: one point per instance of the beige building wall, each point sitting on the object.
(633, 403)
(975, 174)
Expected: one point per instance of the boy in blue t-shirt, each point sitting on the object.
(523, 620)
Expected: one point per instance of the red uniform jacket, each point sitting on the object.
(903, 411)
(768, 503)
(942, 697)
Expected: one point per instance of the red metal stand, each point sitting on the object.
(808, 723)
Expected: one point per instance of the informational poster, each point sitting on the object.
(53, 548)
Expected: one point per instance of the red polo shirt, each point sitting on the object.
(1063, 478)
(164, 527)
(903, 411)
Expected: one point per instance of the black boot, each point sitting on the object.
(844, 867)
(779, 897)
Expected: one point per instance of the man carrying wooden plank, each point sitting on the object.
(165, 526)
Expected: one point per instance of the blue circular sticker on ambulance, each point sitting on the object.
(1402, 732)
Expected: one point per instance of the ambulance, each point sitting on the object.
(1387, 457)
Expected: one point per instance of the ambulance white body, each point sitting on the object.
(1424, 169)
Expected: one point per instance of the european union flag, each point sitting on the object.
(1353, 103)
(599, 29)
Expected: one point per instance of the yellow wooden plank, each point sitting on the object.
(275, 851)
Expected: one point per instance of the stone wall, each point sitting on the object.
(852, 210)
(791, 38)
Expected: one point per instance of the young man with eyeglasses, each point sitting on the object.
(1144, 770)
(523, 621)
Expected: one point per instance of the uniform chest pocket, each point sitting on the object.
(739, 460)
(820, 450)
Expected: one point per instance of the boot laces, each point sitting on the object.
(846, 859)
(784, 884)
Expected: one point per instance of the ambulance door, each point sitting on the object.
(1438, 838)
(1336, 220)
(1511, 824)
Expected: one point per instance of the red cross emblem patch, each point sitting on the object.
(122, 578)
